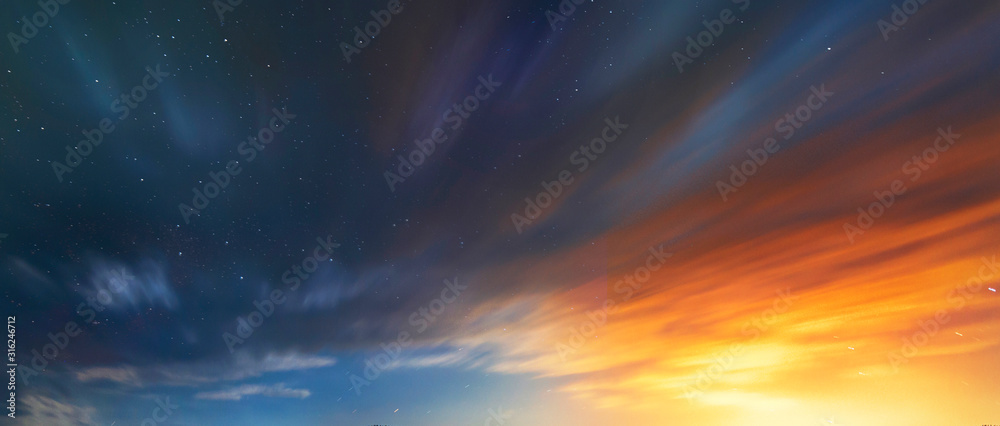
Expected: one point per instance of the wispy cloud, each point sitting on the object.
(273, 391)
(204, 372)
(46, 411)
(125, 375)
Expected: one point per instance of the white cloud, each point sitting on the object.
(454, 357)
(132, 288)
(292, 362)
(235, 394)
(206, 371)
(46, 411)
(126, 375)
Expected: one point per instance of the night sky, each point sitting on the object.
(731, 212)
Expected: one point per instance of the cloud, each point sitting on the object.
(274, 391)
(131, 288)
(126, 375)
(204, 372)
(292, 362)
(43, 410)
(30, 279)
(465, 357)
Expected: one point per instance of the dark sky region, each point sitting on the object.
(501, 212)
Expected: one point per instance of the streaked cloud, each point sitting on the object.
(271, 391)
(192, 374)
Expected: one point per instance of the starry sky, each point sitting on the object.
(727, 212)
